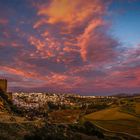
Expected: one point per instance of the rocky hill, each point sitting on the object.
(5, 103)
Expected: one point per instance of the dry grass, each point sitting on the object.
(114, 120)
(110, 114)
(64, 116)
(1, 105)
(8, 118)
(127, 126)
(137, 109)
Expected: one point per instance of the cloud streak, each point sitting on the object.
(66, 46)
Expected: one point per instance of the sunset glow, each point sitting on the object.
(89, 47)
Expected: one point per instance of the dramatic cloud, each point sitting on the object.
(70, 12)
(64, 45)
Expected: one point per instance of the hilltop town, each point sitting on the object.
(45, 116)
(36, 100)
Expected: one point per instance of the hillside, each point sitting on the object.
(1, 104)
(137, 109)
(110, 114)
(4, 106)
(13, 126)
(64, 124)
(113, 119)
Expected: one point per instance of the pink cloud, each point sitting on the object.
(3, 21)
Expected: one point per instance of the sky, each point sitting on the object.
(87, 47)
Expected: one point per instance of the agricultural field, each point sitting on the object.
(110, 114)
(114, 120)
(64, 116)
(137, 109)
(132, 107)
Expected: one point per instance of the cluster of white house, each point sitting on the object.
(36, 100)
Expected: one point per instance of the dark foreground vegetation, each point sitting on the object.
(84, 131)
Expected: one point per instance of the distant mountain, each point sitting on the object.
(126, 95)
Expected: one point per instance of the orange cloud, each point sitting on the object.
(84, 39)
(37, 43)
(18, 71)
(72, 12)
(46, 47)
(66, 17)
